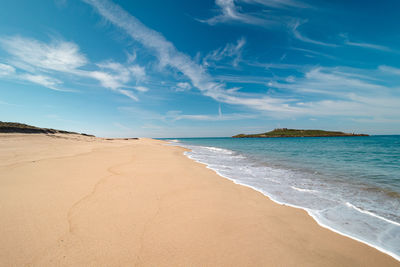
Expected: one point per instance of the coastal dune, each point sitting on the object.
(73, 200)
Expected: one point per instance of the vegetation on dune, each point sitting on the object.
(284, 132)
(14, 127)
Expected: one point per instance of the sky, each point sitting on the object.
(200, 68)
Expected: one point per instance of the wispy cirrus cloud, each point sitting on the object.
(216, 117)
(280, 4)
(231, 11)
(298, 35)
(334, 81)
(123, 72)
(390, 70)
(57, 55)
(370, 46)
(312, 52)
(344, 91)
(366, 45)
(231, 51)
(168, 55)
(46, 81)
(6, 70)
(46, 64)
(10, 72)
(346, 42)
(128, 94)
(183, 86)
(317, 92)
(176, 115)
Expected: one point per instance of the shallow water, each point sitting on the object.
(348, 184)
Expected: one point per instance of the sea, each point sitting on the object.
(350, 185)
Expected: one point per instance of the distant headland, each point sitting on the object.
(14, 127)
(284, 132)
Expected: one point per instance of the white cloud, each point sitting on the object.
(122, 72)
(138, 72)
(281, 4)
(337, 81)
(131, 57)
(232, 51)
(128, 94)
(58, 55)
(141, 88)
(40, 60)
(370, 46)
(183, 86)
(177, 115)
(42, 80)
(357, 106)
(116, 75)
(329, 89)
(6, 70)
(231, 13)
(364, 44)
(296, 33)
(106, 80)
(165, 51)
(313, 52)
(343, 91)
(389, 70)
(168, 55)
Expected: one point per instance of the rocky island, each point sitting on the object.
(284, 132)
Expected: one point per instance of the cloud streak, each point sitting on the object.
(57, 56)
(40, 63)
(177, 115)
(168, 55)
(370, 46)
(319, 92)
(230, 51)
(278, 4)
(298, 35)
(6, 70)
(43, 80)
(231, 11)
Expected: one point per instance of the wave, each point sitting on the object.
(371, 214)
(221, 150)
(304, 190)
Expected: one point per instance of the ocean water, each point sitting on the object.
(350, 185)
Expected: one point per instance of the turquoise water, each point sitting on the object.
(350, 185)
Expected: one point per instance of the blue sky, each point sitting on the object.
(200, 68)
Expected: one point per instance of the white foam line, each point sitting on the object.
(395, 256)
(371, 214)
(303, 190)
(309, 211)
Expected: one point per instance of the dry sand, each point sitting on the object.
(68, 200)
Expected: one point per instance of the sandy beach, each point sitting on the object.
(71, 200)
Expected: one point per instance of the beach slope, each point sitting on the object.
(73, 200)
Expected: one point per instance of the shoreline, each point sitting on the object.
(298, 207)
(84, 201)
(389, 253)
